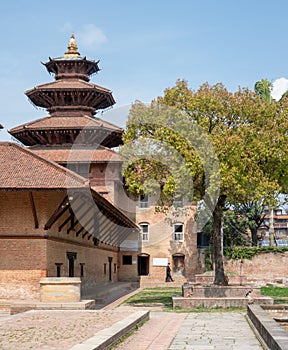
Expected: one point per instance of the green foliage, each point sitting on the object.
(209, 144)
(239, 253)
(263, 89)
(208, 264)
(274, 291)
(234, 229)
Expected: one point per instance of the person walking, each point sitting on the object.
(168, 274)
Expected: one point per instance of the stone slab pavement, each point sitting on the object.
(197, 331)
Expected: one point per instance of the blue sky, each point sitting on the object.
(143, 47)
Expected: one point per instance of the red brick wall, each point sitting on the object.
(262, 268)
(22, 263)
(28, 253)
(94, 259)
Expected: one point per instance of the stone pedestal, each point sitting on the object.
(60, 289)
(211, 296)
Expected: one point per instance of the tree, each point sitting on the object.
(263, 89)
(232, 146)
(253, 214)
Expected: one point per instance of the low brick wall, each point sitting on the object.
(60, 289)
(261, 269)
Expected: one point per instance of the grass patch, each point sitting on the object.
(212, 309)
(152, 296)
(275, 292)
(163, 296)
(279, 294)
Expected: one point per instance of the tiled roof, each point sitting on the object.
(69, 84)
(22, 169)
(66, 123)
(63, 155)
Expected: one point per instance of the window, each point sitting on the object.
(127, 260)
(144, 201)
(144, 232)
(178, 233)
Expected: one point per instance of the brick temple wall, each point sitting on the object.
(22, 264)
(28, 253)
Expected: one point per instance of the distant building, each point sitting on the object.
(280, 226)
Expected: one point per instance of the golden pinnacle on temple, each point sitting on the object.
(72, 48)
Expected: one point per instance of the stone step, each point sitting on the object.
(5, 310)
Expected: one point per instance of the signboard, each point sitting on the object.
(160, 261)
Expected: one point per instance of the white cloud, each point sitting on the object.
(279, 87)
(90, 37)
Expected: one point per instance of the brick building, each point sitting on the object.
(53, 225)
(96, 237)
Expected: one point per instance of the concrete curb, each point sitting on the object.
(273, 334)
(109, 336)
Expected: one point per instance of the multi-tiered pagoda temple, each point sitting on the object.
(72, 135)
(72, 101)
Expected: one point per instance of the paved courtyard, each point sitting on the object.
(194, 331)
(54, 329)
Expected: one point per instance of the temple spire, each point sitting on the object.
(72, 48)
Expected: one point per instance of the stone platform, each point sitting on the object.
(211, 296)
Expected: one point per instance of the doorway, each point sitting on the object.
(143, 265)
(71, 256)
(178, 264)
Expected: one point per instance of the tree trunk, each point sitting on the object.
(254, 236)
(217, 230)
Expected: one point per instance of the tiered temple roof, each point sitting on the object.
(72, 101)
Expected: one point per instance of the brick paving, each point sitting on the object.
(155, 334)
(54, 329)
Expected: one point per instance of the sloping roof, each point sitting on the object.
(22, 169)
(50, 122)
(69, 84)
(70, 155)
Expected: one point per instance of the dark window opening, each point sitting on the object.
(127, 260)
(115, 268)
(110, 267)
(71, 257)
(82, 269)
(105, 268)
(143, 265)
(58, 269)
